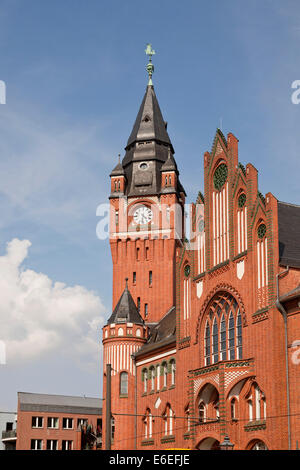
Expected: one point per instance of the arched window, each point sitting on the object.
(124, 383)
(250, 409)
(222, 335)
(239, 342)
(173, 369)
(217, 411)
(152, 374)
(262, 276)
(256, 403)
(145, 378)
(233, 408)
(257, 394)
(215, 342)
(223, 339)
(168, 417)
(157, 377)
(148, 424)
(241, 228)
(231, 341)
(187, 419)
(259, 445)
(165, 371)
(207, 345)
(202, 412)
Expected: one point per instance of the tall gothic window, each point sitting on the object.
(152, 372)
(145, 377)
(239, 346)
(123, 383)
(168, 417)
(222, 335)
(207, 345)
(215, 342)
(202, 412)
(148, 424)
(256, 403)
(173, 371)
(231, 337)
(223, 349)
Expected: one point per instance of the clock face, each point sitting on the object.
(143, 215)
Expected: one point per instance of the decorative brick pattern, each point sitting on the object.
(259, 330)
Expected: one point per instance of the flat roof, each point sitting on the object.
(59, 403)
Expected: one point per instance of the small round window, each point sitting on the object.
(261, 231)
(143, 166)
(220, 176)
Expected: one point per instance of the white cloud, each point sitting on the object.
(39, 316)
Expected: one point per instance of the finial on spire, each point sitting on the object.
(150, 67)
(119, 157)
(126, 281)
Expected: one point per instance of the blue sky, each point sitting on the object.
(75, 77)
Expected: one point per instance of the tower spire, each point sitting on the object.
(150, 67)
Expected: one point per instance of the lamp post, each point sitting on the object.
(226, 444)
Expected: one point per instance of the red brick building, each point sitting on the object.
(204, 335)
(58, 422)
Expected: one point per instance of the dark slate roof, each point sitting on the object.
(59, 403)
(170, 164)
(118, 170)
(126, 311)
(289, 234)
(161, 333)
(149, 124)
(292, 294)
(148, 142)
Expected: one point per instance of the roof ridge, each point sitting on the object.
(59, 395)
(289, 203)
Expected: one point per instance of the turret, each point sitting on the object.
(123, 335)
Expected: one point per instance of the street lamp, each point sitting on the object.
(226, 444)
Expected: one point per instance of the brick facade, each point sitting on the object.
(45, 423)
(223, 372)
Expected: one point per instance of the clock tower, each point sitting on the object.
(147, 212)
